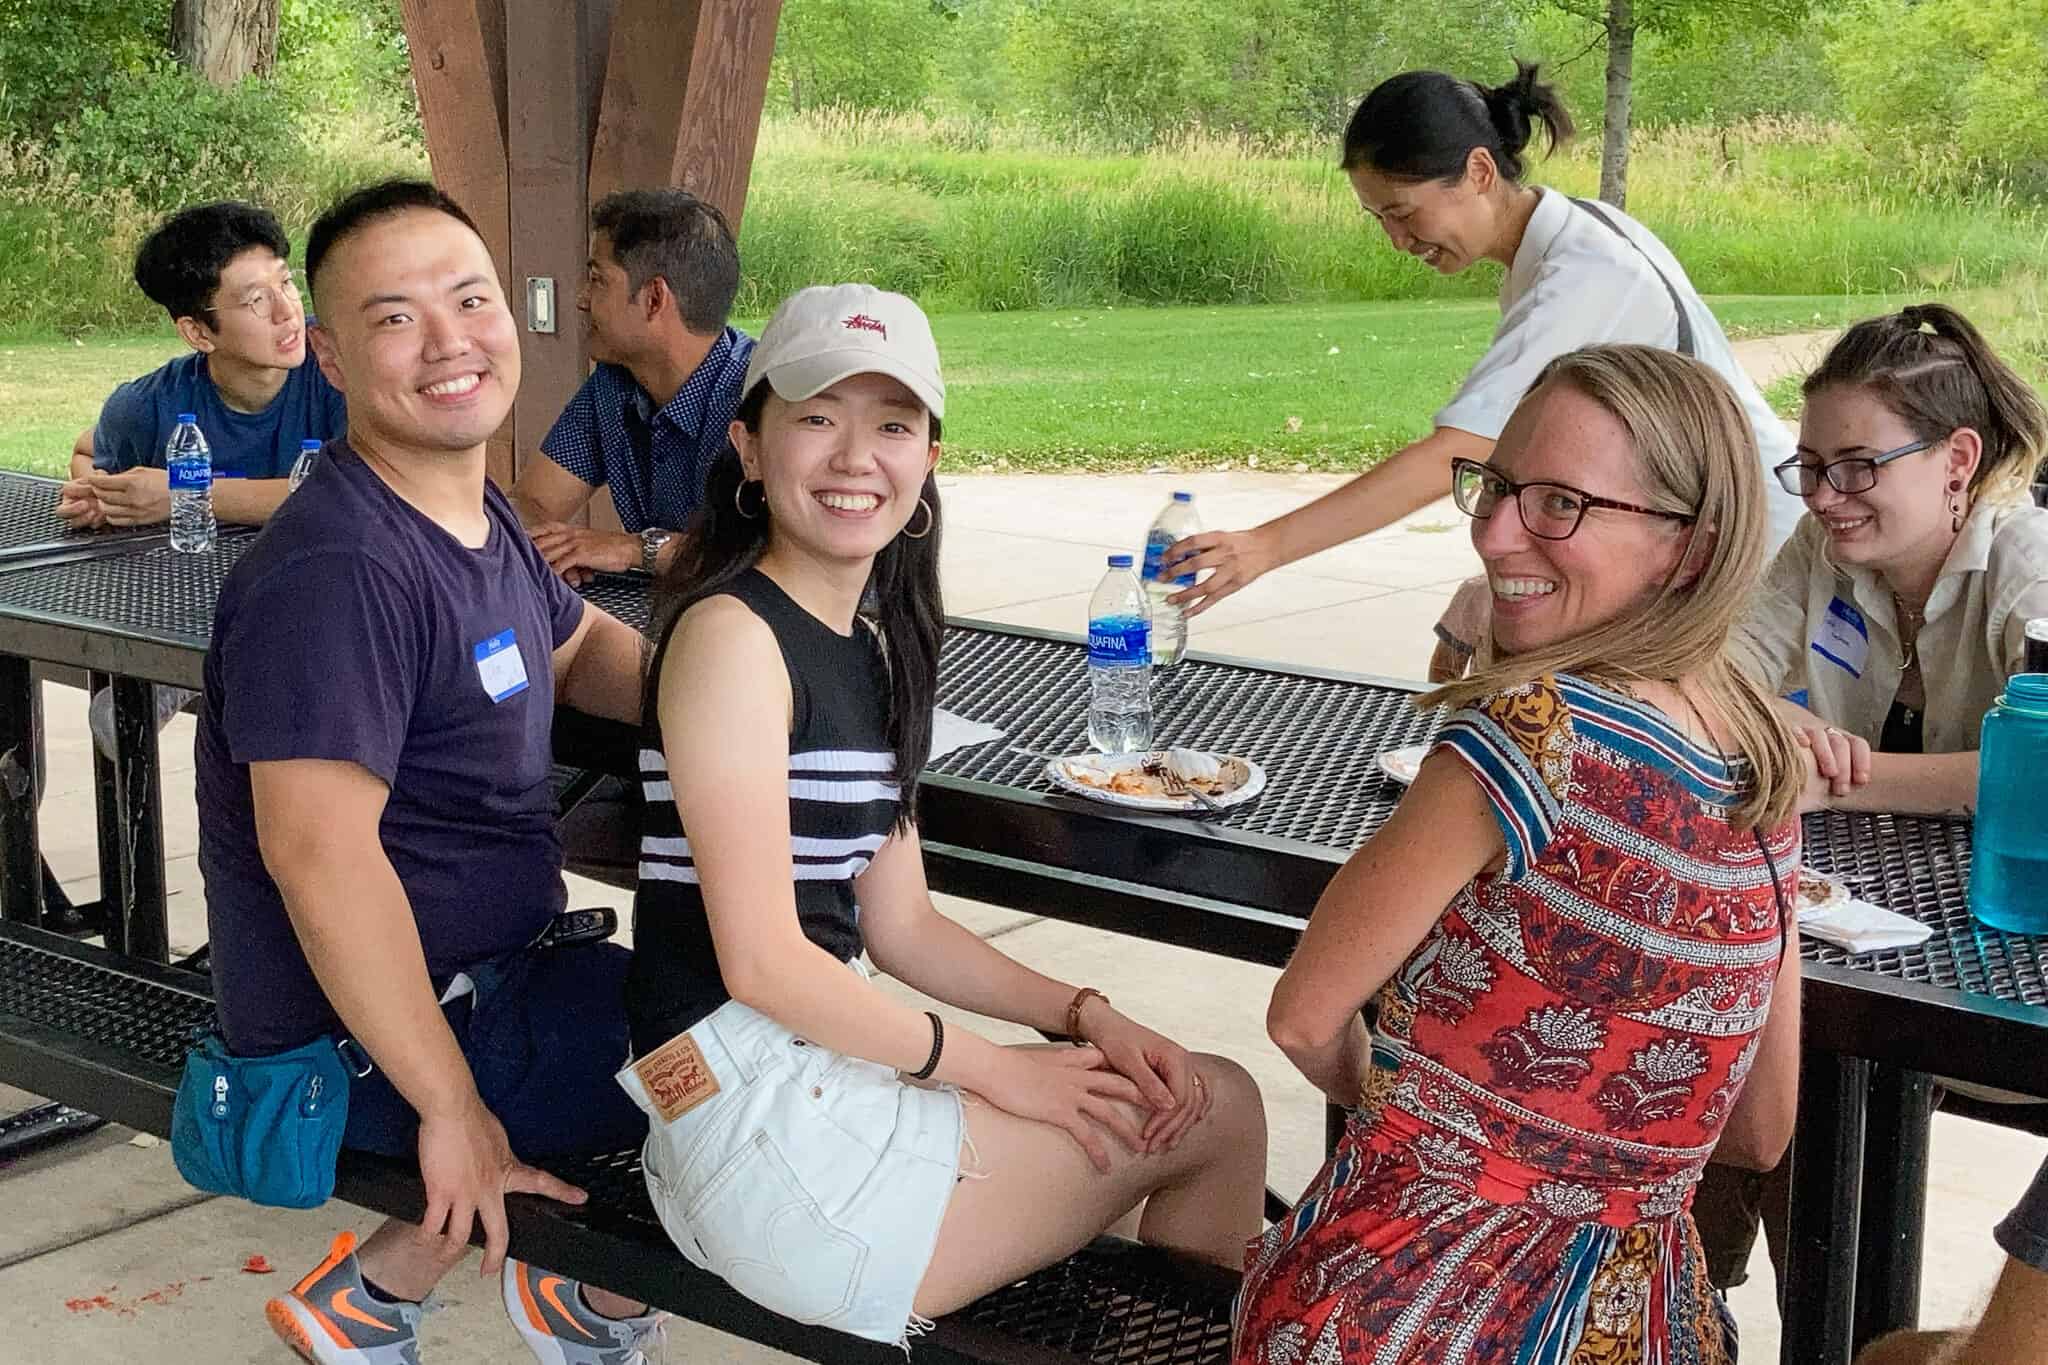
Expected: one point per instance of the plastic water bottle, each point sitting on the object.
(190, 465)
(1119, 662)
(309, 455)
(1175, 522)
(2009, 841)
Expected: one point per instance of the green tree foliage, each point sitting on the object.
(58, 56)
(1962, 76)
(877, 55)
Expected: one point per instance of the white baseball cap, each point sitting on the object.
(829, 332)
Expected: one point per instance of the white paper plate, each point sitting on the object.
(1403, 764)
(1820, 894)
(1072, 774)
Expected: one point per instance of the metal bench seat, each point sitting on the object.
(108, 1034)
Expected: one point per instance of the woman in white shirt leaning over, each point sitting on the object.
(1438, 162)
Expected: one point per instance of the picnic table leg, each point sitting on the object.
(1818, 1296)
(1895, 1144)
(106, 795)
(21, 863)
(136, 918)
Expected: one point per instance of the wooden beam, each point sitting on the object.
(458, 68)
(682, 97)
(554, 60)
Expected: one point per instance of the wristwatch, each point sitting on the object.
(651, 541)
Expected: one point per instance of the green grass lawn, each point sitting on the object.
(1319, 386)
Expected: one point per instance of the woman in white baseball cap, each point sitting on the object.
(836, 1155)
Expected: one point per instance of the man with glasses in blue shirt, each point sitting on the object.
(652, 418)
(222, 271)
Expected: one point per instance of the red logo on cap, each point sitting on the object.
(861, 322)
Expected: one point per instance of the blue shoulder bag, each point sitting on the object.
(267, 1129)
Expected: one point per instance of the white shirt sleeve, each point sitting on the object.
(1770, 643)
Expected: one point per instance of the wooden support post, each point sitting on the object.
(682, 97)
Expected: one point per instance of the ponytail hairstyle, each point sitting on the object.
(1696, 455)
(1423, 125)
(1935, 372)
(722, 542)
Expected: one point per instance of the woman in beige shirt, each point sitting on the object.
(1900, 605)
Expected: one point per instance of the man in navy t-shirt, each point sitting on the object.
(377, 821)
(222, 272)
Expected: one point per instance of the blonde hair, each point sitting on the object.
(1696, 455)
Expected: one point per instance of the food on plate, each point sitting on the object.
(1818, 891)
(1194, 767)
(1405, 763)
(1156, 775)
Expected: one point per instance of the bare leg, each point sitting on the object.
(1206, 1197)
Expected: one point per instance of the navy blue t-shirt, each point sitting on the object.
(356, 629)
(137, 420)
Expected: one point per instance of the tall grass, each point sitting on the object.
(971, 215)
(979, 216)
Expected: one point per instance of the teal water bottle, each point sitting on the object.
(2009, 846)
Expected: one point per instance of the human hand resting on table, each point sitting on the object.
(1074, 1088)
(134, 497)
(79, 507)
(468, 1168)
(576, 552)
(1839, 762)
(1165, 1075)
(1230, 558)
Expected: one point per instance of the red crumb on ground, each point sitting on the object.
(258, 1265)
(104, 1302)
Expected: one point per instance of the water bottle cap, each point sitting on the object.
(1120, 561)
(2027, 692)
(184, 417)
(308, 446)
(1183, 497)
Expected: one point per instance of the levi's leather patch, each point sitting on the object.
(676, 1077)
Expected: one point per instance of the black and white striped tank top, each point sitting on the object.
(843, 800)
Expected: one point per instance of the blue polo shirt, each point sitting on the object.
(137, 419)
(654, 460)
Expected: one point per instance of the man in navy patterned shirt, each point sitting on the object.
(652, 418)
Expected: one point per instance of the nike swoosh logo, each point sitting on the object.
(550, 1285)
(344, 1309)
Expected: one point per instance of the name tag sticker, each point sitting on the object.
(1842, 638)
(500, 666)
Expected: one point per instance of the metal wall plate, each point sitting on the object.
(540, 303)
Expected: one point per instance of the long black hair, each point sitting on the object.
(1423, 125)
(902, 604)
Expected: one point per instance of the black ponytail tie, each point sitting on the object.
(1914, 318)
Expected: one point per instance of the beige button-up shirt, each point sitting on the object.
(1831, 629)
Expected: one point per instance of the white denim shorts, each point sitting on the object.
(811, 1182)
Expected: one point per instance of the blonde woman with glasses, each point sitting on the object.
(1571, 935)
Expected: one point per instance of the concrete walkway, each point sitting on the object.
(106, 1256)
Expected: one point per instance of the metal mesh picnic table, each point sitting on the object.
(29, 528)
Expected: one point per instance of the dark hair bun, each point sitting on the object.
(1518, 105)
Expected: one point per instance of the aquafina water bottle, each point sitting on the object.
(1119, 662)
(1176, 522)
(309, 455)
(189, 464)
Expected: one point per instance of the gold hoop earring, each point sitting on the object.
(931, 519)
(739, 491)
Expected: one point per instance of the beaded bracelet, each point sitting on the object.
(1074, 1013)
(931, 1063)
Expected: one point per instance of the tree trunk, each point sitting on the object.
(1621, 60)
(225, 40)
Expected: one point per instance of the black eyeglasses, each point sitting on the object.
(1550, 511)
(1803, 476)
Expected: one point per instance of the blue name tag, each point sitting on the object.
(500, 666)
(1842, 638)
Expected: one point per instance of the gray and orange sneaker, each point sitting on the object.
(560, 1328)
(330, 1319)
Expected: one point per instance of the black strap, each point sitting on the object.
(1685, 341)
(1787, 921)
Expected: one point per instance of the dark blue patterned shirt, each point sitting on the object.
(653, 459)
